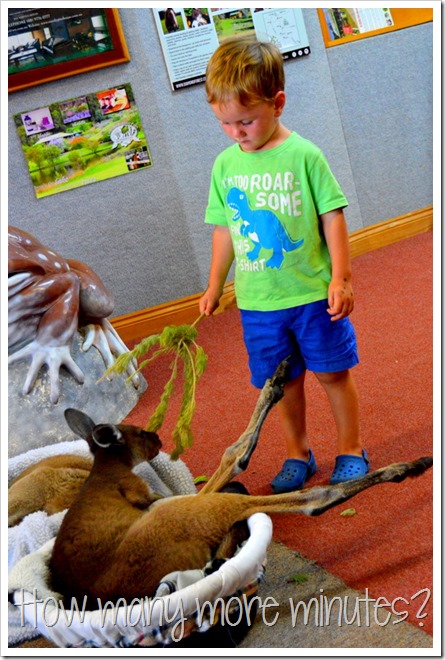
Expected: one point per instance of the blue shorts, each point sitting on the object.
(306, 333)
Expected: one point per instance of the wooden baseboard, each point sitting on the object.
(391, 231)
(153, 320)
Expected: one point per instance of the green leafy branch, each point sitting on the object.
(180, 341)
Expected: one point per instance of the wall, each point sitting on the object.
(367, 104)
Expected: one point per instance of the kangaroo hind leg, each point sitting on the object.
(316, 500)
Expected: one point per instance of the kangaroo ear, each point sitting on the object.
(105, 435)
(79, 422)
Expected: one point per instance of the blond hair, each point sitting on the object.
(246, 70)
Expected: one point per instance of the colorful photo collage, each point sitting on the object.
(83, 140)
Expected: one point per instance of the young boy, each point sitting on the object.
(277, 209)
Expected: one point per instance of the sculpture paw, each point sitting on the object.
(105, 338)
(54, 357)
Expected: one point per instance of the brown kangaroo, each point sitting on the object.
(118, 540)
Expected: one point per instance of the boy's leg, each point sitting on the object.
(292, 412)
(269, 341)
(300, 464)
(342, 394)
(330, 351)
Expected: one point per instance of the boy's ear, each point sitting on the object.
(279, 102)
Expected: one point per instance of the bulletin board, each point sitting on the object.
(341, 26)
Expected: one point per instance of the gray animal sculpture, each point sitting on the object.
(118, 540)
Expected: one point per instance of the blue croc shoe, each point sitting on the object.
(294, 474)
(349, 467)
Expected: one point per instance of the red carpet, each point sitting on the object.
(386, 547)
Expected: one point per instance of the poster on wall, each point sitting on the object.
(189, 37)
(83, 140)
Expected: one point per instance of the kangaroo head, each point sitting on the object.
(141, 445)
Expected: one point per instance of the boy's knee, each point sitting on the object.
(326, 378)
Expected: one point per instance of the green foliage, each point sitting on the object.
(52, 153)
(180, 342)
(300, 578)
(347, 513)
(80, 127)
(92, 144)
(76, 159)
(201, 479)
(35, 154)
(56, 116)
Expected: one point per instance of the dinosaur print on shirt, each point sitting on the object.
(264, 229)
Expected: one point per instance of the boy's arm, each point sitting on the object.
(340, 295)
(222, 258)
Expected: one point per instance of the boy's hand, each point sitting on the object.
(208, 303)
(340, 299)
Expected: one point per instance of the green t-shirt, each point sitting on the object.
(271, 201)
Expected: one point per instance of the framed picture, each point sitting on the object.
(48, 44)
(343, 25)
